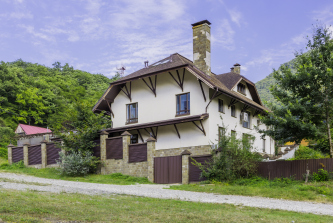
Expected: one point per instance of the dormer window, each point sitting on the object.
(241, 88)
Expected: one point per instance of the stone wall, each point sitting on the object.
(194, 150)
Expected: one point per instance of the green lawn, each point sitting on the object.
(3, 161)
(280, 188)
(53, 173)
(34, 206)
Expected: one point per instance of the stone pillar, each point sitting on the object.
(150, 157)
(47, 138)
(26, 154)
(185, 166)
(44, 153)
(126, 142)
(103, 136)
(10, 154)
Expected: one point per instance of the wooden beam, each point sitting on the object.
(200, 128)
(257, 112)
(180, 81)
(203, 93)
(128, 92)
(107, 102)
(177, 130)
(214, 96)
(232, 102)
(151, 86)
(245, 107)
(139, 133)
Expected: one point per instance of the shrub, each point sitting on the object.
(4, 153)
(77, 164)
(305, 152)
(322, 175)
(236, 160)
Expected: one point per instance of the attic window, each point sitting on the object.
(161, 62)
(241, 88)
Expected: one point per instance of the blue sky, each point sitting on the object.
(97, 36)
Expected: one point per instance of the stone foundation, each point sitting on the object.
(194, 150)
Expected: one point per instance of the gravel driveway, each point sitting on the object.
(156, 191)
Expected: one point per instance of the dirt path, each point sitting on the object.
(24, 182)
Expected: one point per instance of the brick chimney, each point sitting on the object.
(201, 45)
(237, 68)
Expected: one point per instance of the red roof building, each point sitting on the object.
(31, 130)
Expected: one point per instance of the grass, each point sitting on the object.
(279, 188)
(3, 161)
(31, 206)
(53, 173)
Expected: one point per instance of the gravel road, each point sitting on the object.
(23, 182)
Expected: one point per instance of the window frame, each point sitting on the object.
(188, 111)
(128, 114)
(249, 120)
(135, 138)
(241, 88)
(221, 105)
(233, 107)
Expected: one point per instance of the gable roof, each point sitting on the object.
(231, 79)
(31, 130)
(174, 62)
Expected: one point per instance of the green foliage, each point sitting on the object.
(322, 175)
(305, 94)
(14, 166)
(77, 164)
(81, 129)
(305, 152)
(236, 160)
(39, 95)
(3, 152)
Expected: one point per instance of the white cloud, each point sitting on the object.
(236, 16)
(224, 35)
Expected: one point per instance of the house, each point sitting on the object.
(31, 134)
(179, 104)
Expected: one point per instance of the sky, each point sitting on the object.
(100, 36)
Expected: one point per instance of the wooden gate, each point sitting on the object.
(168, 170)
(194, 171)
(52, 151)
(17, 154)
(35, 155)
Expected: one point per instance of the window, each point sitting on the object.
(134, 138)
(183, 104)
(245, 119)
(241, 88)
(221, 109)
(233, 111)
(264, 145)
(221, 133)
(132, 113)
(233, 134)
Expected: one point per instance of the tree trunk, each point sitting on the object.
(329, 134)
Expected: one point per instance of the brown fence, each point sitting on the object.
(17, 154)
(114, 148)
(296, 168)
(194, 171)
(35, 155)
(97, 148)
(168, 170)
(137, 152)
(52, 151)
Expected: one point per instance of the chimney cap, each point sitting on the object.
(201, 22)
(236, 64)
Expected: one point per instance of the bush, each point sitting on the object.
(305, 152)
(237, 159)
(14, 166)
(4, 153)
(77, 164)
(322, 175)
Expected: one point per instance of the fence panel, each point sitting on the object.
(114, 148)
(52, 153)
(17, 154)
(168, 170)
(137, 152)
(35, 155)
(295, 168)
(194, 171)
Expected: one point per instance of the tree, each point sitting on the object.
(306, 94)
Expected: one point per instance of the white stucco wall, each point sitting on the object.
(163, 107)
(233, 123)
